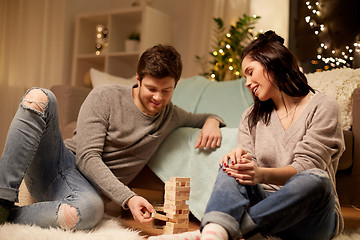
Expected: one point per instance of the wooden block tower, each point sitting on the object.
(177, 192)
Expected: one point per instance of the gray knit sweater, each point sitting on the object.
(314, 140)
(114, 140)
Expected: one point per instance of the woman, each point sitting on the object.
(280, 180)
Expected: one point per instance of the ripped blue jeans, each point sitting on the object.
(303, 209)
(34, 151)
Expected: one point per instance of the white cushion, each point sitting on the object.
(339, 84)
(99, 78)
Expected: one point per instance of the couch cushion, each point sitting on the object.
(339, 84)
(67, 131)
(70, 99)
(99, 78)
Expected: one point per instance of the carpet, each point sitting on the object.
(108, 229)
(349, 235)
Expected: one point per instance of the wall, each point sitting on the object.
(192, 22)
(274, 15)
(36, 40)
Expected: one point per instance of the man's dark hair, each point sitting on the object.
(160, 61)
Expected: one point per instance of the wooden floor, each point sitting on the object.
(351, 218)
(127, 220)
(150, 230)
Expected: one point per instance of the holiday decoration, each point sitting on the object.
(225, 62)
(101, 40)
(328, 57)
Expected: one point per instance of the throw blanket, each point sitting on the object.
(226, 99)
(177, 156)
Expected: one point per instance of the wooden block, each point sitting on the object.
(171, 228)
(176, 196)
(180, 193)
(177, 188)
(179, 179)
(177, 193)
(179, 221)
(174, 202)
(167, 230)
(175, 230)
(177, 184)
(175, 207)
(159, 216)
(177, 216)
(176, 225)
(173, 197)
(177, 212)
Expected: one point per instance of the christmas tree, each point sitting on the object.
(225, 63)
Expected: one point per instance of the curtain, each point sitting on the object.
(31, 51)
(201, 30)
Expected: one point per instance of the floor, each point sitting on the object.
(351, 216)
(145, 229)
(150, 230)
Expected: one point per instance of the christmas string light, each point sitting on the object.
(225, 58)
(338, 58)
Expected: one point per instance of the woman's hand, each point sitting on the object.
(234, 156)
(241, 167)
(246, 172)
(141, 209)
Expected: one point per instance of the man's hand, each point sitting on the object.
(141, 209)
(210, 135)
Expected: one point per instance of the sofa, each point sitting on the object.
(177, 155)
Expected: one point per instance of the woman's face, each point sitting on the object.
(257, 79)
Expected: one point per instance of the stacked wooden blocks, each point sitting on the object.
(177, 192)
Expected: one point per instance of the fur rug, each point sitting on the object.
(109, 229)
(353, 235)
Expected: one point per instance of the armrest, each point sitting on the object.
(70, 99)
(356, 131)
(346, 160)
(356, 126)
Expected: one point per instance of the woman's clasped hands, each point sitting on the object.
(238, 164)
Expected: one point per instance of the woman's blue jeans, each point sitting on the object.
(34, 150)
(302, 209)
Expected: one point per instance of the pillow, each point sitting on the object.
(339, 84)
(99, 78)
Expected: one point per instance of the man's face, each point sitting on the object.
(154, 94)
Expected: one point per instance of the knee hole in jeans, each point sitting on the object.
(36, 99)
(67, 216)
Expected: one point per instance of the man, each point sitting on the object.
(118, 130)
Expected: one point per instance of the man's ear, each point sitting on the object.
(138, 79)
